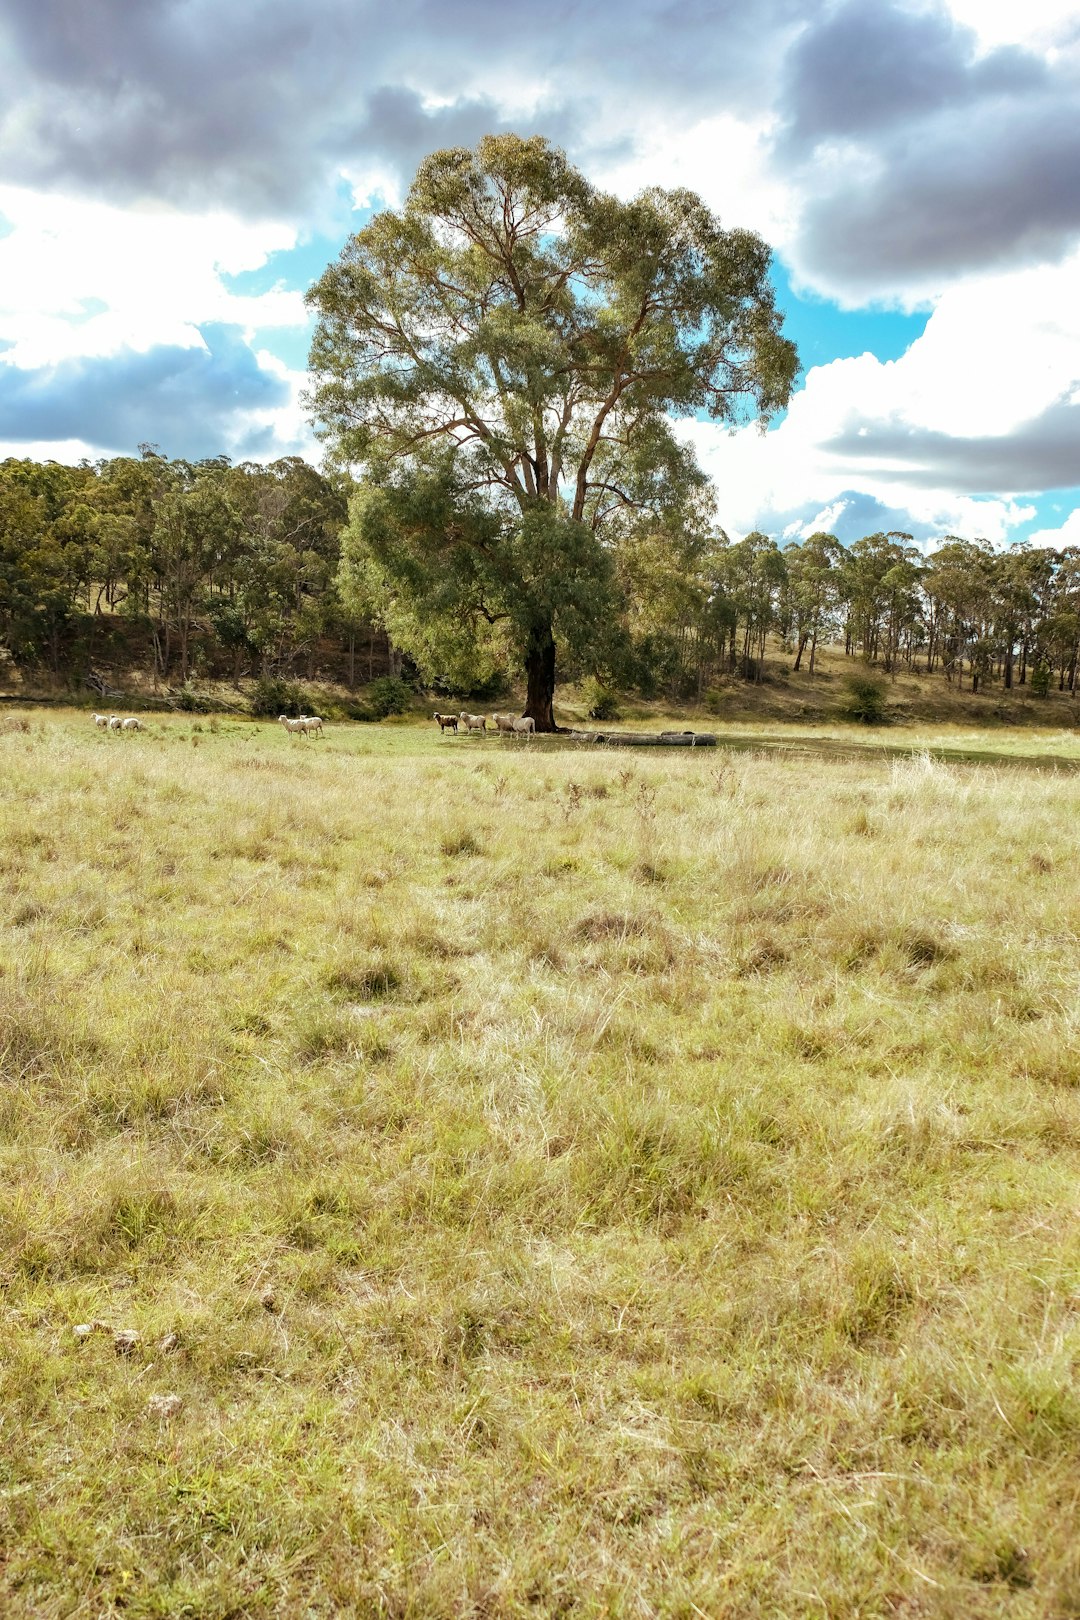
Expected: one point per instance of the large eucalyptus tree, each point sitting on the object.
(502, 359)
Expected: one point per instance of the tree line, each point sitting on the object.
(205, 566)
(263, 570)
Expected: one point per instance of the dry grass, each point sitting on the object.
(553, 1183)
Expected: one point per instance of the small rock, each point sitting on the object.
(164, 1406)
(125, 1341)
(83, 1330)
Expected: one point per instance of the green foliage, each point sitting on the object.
(866, 700)
(1040, 679)
(192, 702)
(504, 356)
(389, 695)
(601, 702)
(274, 695)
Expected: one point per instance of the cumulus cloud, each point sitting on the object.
(950, 436)
(189, 400)
(922, 156)
(257, 108)
(1040, 454)
(1057, 539)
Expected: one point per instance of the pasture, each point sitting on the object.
(552, 1182)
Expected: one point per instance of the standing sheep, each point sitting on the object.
(101, 720)
(472, 722)
(526, 725)
(131, 724)
(447, 722)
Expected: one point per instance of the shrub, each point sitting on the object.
(190, 701)
(1040, 679)
(274, 695)
(865, 700)
(389, 695)
(601, 701)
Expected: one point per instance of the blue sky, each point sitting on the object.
(913, 163)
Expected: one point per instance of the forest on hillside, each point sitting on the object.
(186, 569)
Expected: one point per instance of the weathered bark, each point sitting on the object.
(540, 674)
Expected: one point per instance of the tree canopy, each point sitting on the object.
(503, 358)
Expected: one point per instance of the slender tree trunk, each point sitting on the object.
(813, 650)
(540, 674)
(798, 656)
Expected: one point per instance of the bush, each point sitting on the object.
(190, 701)
(389, 695)
(601, 701)
(1040, 679)
(865, 700)
(274, 695)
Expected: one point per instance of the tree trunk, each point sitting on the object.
(540, 672)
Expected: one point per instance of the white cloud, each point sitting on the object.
(995, 353)
(1037, 23)
(724, 159)
(1057, 539)
(82, 278)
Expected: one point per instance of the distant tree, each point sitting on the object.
(502, 358)
(813, 590)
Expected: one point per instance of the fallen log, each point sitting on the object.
(646, 739)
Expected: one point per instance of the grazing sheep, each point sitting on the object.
(447, 722)
(114, 722)
(101, 720)
(503, 722)
(473, 722)
(526, 724)
(131, 724)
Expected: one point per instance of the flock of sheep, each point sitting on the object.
(524, 725)
(113, 722)
(310, 725)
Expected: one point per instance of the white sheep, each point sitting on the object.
(131, 724)
(290, 725)
(503, 722)
(472, 722)
(312, 723)
(526, 724)
(114, 722)
(101, 720)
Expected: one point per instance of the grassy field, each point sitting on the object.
(552, 1182)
